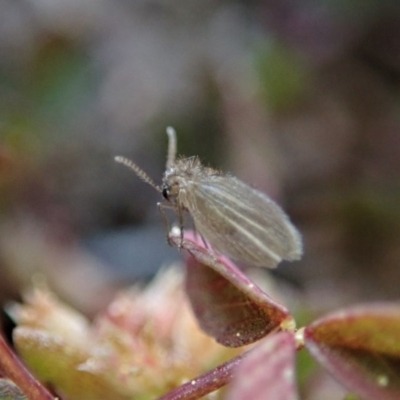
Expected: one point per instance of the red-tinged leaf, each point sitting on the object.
(360, 346)
(227, 304)
(267, 371)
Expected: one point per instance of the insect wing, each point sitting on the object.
(242, 222)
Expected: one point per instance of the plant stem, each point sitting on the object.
(204, 384)
(16, 371)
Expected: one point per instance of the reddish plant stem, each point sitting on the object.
(13, 368)
(205, 384)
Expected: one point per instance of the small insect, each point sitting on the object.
(235, 219)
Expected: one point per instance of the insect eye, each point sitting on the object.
(165, 193)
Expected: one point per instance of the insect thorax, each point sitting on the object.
(184, 173)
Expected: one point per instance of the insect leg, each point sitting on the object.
(162, 207)
(206, 245)
(180, 220)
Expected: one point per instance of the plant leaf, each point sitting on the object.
(360, 346)
(268, 371)
(228, 305)
(58, 362)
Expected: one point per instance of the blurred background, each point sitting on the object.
(298, 98)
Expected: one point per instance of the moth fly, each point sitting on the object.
(235, 219)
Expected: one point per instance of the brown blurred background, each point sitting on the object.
(298, 98)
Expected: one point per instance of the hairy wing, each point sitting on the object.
(241, 222)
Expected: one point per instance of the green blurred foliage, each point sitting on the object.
(61, 80)
(305, 367)
(282, 76)
(43, 97)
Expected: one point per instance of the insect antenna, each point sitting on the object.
(138, 171)
(171, 147)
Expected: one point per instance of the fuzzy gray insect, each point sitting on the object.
(237, 220)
